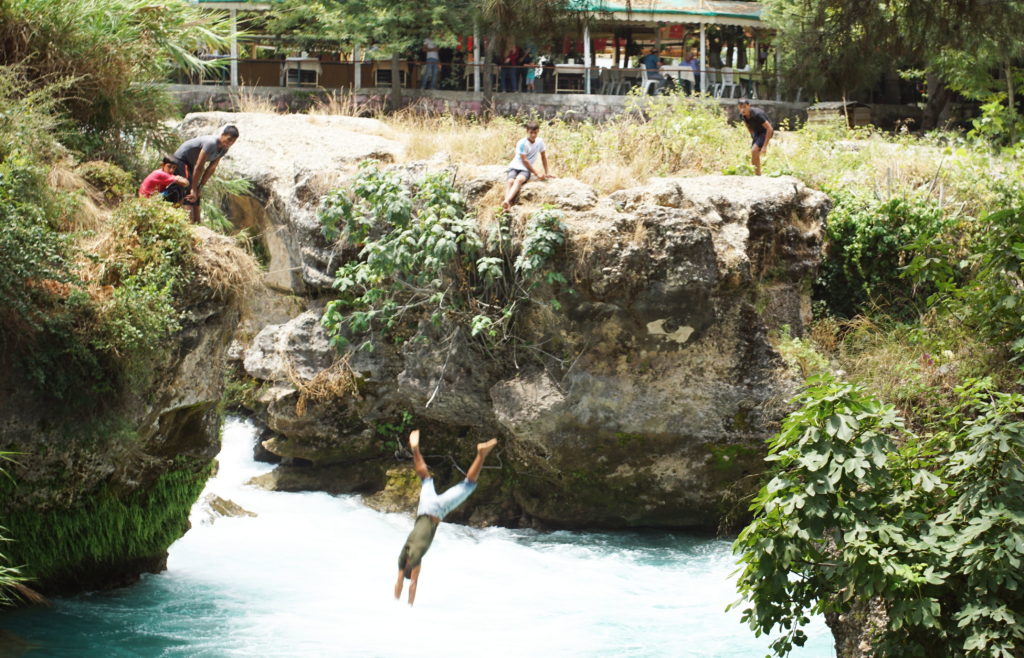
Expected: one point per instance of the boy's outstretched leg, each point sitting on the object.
(399, 584)
(482, 450)
(417, 457)
(512, 191)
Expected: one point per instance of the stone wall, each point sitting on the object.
(595, 107)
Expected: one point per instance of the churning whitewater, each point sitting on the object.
(312, 575)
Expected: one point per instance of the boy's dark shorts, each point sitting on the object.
(178, 196)
(512, 173)
(759, 140)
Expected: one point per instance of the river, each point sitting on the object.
(312, 576)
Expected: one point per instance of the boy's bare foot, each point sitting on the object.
(414, 440)
(485, 448)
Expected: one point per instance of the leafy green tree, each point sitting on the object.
(399, 27)
(857, 509)
(394, 27)
(108, 52)
(842, 46)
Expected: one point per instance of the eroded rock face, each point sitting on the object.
(657, 387)
(292, 160)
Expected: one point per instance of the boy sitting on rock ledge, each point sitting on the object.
(432, 509)
(521, 167)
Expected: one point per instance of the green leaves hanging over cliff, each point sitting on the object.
(420, 256)
(857, 509)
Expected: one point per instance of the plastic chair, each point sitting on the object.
(622, 83)
(646, 83)
(727, 88)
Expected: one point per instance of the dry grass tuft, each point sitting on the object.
(90, 214)
(334, 383)
(344, 104)
(489, 206)
(223, 265)
(246, 99)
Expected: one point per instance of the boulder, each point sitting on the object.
(297, 349)
(216, 507)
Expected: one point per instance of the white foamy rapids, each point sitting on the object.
(312, 575)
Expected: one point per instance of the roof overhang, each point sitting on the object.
(712, 12)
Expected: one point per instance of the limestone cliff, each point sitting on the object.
(96, 495)
(645, 400)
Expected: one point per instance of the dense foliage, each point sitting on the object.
(970, 46)
(893, 504)
(422, 256)
(871, 242)
(104, 52)
(858, 508)
(78, 318)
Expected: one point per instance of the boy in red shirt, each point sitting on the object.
(161, 179)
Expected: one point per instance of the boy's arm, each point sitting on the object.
(181, 180)
(193, 193)
(529, 167)
(212, 167)
(544, 159)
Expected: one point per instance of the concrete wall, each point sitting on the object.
(461, 103)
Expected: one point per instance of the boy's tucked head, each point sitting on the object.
(168, 165)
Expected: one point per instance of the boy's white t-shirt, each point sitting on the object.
(527, 150)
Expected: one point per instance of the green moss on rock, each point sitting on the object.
(106, 536)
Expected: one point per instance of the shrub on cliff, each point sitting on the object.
(423, 256)
(857, 508)
(870, 242)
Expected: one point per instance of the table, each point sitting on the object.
(574, 78)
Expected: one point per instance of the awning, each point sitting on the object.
(712, 12)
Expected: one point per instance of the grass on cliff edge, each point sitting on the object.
(685, 136)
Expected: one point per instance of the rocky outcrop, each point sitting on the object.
(214, 507)
(96, 495)
(644, 401)
(292, 160)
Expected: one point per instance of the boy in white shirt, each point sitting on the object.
(521, 168)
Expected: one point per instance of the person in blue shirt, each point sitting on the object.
(652, 62)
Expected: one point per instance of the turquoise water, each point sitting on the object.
(312, 575)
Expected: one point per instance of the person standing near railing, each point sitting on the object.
(509, 77)
(433, 63)
(693, 60)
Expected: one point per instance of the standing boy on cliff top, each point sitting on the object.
(432, 509)
(521, 167)
(760, 131)
(198, 159)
